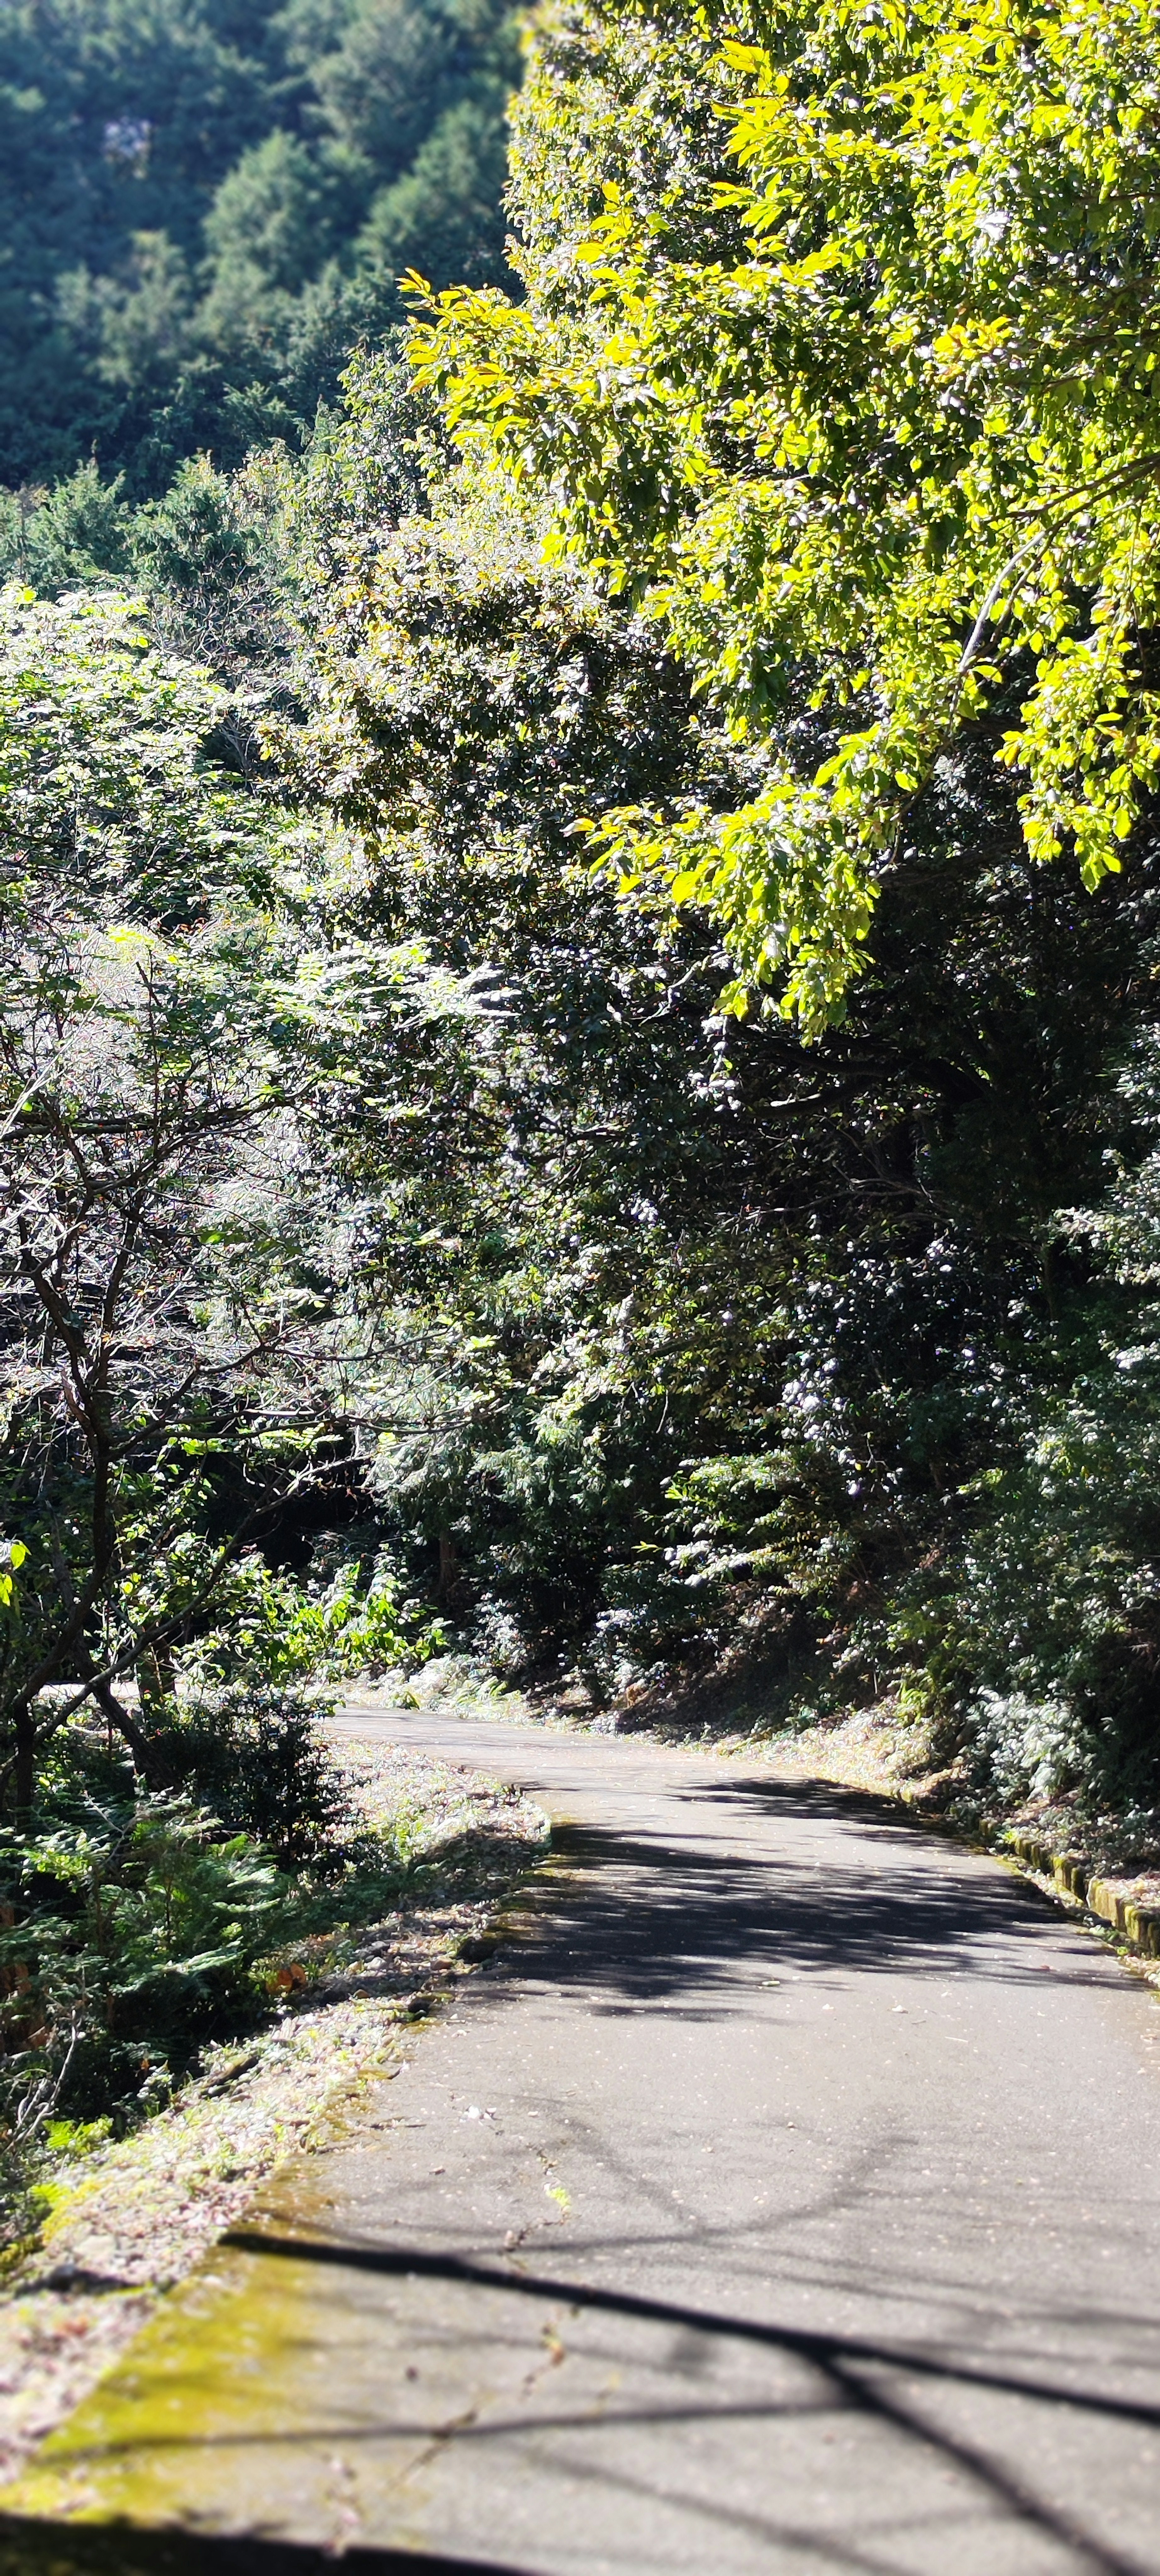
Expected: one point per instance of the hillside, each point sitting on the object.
(203, 205)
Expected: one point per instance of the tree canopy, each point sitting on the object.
(405, 1240)
(865, 419)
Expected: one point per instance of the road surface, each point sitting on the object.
(786, 2198)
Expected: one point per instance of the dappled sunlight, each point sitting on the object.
(652, 1919)
(588, 2294)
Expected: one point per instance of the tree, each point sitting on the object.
(685, 1325)
(651, 1340)
(867, 423)
(179, 1037)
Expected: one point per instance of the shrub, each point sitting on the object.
(253, 1752)
(128, 1934)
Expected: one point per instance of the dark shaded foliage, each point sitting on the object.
(204, 208)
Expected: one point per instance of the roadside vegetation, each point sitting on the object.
(579, 1049)
(116, 2210)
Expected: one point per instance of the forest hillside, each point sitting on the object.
(204, 205)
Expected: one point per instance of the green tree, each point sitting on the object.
(180, 1036)
(693, 1338)
(867, 424)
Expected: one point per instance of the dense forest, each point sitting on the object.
(579, 1039)
(204, 205)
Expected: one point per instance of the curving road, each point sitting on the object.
(787, 2197)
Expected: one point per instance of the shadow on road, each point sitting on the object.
(29, 2548)
(846, 2375)
(836, 2355)
(693, 1922)
(653, 1917)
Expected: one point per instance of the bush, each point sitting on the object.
(276, 1632)
(1040, 1626)
(253, 1752)
(129, 1932)
(135, 1924)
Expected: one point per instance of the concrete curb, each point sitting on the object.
(1139, 1924)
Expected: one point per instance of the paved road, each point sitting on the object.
(788, 2198)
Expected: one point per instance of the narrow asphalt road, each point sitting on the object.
(787, 2197)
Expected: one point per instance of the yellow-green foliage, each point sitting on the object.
(871, 419)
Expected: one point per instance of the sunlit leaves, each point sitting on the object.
(892, 425)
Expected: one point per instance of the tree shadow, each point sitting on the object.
(32, 2548)
(652, 1917)
(689, 1920)
(899, 2390)
(819, 2349)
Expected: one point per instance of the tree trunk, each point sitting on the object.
(145, 1754)
(450, 1572)
(24, 1769)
